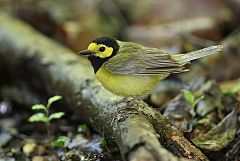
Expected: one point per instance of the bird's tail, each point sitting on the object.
(185, 58)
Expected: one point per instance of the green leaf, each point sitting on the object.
(197, 100)
(234, 90)
(61, 142)
(102, 142)
(39, 107)
(56, 115)
(83, 128)
(202, 122)
(38, 117)
(52, 100)
(189, 96)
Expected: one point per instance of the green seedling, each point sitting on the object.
(192, 100)
(102, 142)
(45, 116)
(83, 128)
(233, 91)
(201, 122)
(61, 141)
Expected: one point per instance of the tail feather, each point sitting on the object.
(185, 58)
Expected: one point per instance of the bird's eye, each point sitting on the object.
(102, 49)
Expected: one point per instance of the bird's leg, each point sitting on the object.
(126, 102)
(123, 102)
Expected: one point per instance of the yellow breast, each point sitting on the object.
(127, 85)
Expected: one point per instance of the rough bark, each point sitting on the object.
(50, 68)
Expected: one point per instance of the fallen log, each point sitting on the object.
(52, 69)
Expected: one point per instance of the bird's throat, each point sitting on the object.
(97, 62)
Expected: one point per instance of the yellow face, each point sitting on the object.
(101, 50)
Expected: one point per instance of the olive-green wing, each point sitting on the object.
(143, 61)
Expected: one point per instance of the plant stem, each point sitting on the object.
(48, 131)
(48, 125)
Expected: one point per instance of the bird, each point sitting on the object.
(129, 69)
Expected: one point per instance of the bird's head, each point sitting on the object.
(100, 50)
(103, 47)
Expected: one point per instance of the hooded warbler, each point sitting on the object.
(129, 69)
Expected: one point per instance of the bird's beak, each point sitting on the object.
(86, 53)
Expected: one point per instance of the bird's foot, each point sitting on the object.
(127, 103)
